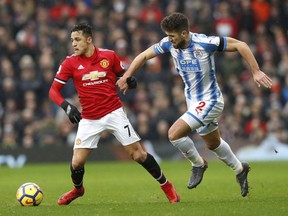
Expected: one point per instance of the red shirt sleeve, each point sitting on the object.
(62, 75)
(55, 93)
(118, 66)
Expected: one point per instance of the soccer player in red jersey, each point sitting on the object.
(94, 72)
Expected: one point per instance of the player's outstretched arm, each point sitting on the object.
(137, 63)
(259, 76)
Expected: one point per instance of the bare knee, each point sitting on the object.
(212, 140)
(77, 164)
(78, 161)
(139, 156)
(212, 145)
(79, 157)
(136, 152)
(172, 135)
(178, 130)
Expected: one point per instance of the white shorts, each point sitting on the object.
(116, 122)
(202, 115)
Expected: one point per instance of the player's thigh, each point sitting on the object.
(119, 125)
(179, 129)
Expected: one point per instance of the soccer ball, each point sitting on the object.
(29, 194)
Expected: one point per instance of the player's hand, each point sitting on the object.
(131, 82)
(262, 79)
(72, 112)
(122, 84)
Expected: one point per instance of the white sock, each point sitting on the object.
(224, 153)
(187, 147)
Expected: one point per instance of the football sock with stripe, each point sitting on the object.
(77, 176)
(188, 149)
(224, 153)
(151, 165)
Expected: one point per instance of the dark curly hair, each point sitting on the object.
(175, 22)
(84, 27)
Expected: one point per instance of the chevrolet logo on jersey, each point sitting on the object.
(94, 75)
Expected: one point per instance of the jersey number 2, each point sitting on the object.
(199, 108)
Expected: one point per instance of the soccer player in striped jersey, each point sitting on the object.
(94, 72)
(193, 59)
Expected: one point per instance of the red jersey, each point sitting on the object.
(95, 81)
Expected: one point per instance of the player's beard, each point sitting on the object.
(180, 45)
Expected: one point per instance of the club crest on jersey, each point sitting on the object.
(104, 63)
(198, 53)
(94, 75)
(78, 141)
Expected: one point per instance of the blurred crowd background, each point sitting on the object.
(35, 39)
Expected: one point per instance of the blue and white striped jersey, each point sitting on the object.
(196, 65)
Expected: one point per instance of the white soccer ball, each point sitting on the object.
(29, 194)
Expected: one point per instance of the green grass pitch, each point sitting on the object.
(125, 188)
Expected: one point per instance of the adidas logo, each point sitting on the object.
(80, 67)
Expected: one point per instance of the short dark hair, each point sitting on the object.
(176, 22)
(84, 27)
